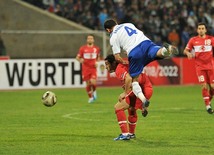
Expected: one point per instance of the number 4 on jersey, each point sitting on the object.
(130, 31)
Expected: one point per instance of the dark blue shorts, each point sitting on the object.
(141, 55)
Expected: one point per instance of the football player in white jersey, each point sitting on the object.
(139, 49)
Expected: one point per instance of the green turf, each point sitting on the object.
(177, 124)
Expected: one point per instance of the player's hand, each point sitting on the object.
(189, 55)
(96, 64)
(81, 60)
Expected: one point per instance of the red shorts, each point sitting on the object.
(205, 76)
(88, 74)
(147, 89)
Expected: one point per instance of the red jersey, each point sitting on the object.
(90, 55)
(121, 72)
(203, 48)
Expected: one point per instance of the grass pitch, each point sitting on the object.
(177, 124)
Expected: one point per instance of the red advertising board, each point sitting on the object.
(188, 72)
(4, 57)
(175, 71)
(66, 73)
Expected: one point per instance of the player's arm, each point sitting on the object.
(127, 87)
(213, 45)
(118, 58)
(128, 83)
(98, 58)
(188, 53)
(116, 50)
(79, 58)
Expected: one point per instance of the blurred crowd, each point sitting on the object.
(172, 21)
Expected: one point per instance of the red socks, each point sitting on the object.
(206, 96)
(132, 122)
(211, 93)
(94, 87)
(89, 91)
(121, 118)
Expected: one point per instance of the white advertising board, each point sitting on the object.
(40, 73)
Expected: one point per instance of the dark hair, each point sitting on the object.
(89, 35)
(202, 23)
(109, 24)
(110, 58)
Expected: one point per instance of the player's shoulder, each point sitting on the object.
(121, 71)
(209, 37)
(127, 24)
(119, 27)
(95, 46)
(122, 67)
(194, 37)
(83, 46)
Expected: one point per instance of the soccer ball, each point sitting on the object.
(49, 99)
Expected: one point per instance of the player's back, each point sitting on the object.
(128, 36)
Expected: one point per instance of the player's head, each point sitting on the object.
(90, 39)
(109, 25)
(111, 63)
(201, 29)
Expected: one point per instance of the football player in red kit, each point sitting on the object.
(200, 48)
(127, 99)
(88, 56)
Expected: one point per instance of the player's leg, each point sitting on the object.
(203, 80)
(137, 89)
(138, 58)
(93, 80)
(137, 61)
(211, 83)
(122, 120)
(206, 97)
(132, 121)
(147, 91)
(94, 87)
(89, 91)
(211, 86)
(167, 51)
(86, 78)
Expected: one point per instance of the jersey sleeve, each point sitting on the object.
(189, 45)
(98, 51)
(212, 42)
(114, 44)
(80, 52)
(121, 72)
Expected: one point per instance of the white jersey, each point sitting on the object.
(127, 37)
